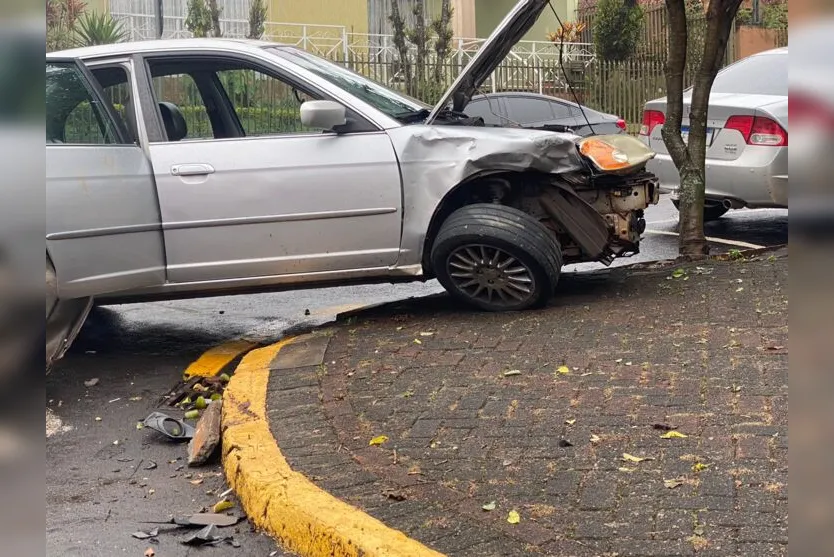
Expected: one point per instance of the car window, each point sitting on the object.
(528, 110)
(115, 89)
(378, 96)
(73, 115)
(562, 110)
(205, 98)
(483, 109)
(757, 75)
(180, 90)
(264, 104)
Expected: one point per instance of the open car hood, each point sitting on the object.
(490, 55)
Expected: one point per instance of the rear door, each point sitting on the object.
(103, 228)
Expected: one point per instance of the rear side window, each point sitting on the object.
(73, 115)
(758, 75)
(526, 110)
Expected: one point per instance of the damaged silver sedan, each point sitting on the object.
(166, 179)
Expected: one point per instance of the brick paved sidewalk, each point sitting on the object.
(476, 410)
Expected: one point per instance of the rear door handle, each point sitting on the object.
(192, 169)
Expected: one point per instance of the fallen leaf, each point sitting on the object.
(98, 418)
(512, 372)
(595, 438)
(426, 334)
(628, 470)
(673, 435)
(739, 289)
(489, 506)
(678, 273)
(418, 341)
(135, 398)
(378, 440)
(570, 422)
(631, 458)
(700, 467)
(394, 494)
(628, 363)
(618, 361)
(672, 484)
(223, 505)
(513, 517)
(91, 382)
(414, 471)
(139, 425)
(196, 482)
(564, 370)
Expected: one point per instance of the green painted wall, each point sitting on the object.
(489, 13)
(353, 14)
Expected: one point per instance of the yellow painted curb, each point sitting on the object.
(283, 502)
(216, 358)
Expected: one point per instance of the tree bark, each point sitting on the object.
(400, 37)
(420, 38)
(690, 159)
(443, 41)
(214, 13)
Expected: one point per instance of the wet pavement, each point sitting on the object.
(96, 497)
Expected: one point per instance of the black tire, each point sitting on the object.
(508, 249)
(713, 211)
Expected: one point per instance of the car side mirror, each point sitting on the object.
(326, 115)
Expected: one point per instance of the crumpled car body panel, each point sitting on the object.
(436, 159)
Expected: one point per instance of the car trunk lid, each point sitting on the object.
(728, 120)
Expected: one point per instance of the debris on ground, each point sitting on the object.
(91, 382)
(209, 536)
(142, 535)
(168, 426)
(223, 505)
(206, 437)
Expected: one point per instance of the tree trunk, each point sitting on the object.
(690, 159)
(443, 41)
(214, 12)
(400, 37)
(420, 38)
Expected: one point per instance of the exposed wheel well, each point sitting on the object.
(505, 188)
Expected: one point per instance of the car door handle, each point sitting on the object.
(192, 169)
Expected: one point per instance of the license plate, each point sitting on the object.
(685, 134)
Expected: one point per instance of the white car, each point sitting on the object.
(747, 136)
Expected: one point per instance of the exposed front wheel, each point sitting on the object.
(496, 258)
(712, 211)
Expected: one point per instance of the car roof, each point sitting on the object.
(772, 51)
(162, 45)
(524, 94)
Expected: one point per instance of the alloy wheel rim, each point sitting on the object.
(491, 275)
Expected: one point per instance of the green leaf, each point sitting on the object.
(489, 506)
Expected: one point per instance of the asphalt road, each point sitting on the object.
(101, 480)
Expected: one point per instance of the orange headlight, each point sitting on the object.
(604, 155)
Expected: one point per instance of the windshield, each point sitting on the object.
(758, 75)
(378, 96)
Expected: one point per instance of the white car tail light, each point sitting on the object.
(651, 119)
(758, 130)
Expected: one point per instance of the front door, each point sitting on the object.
(103, 230)
(246, 191)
